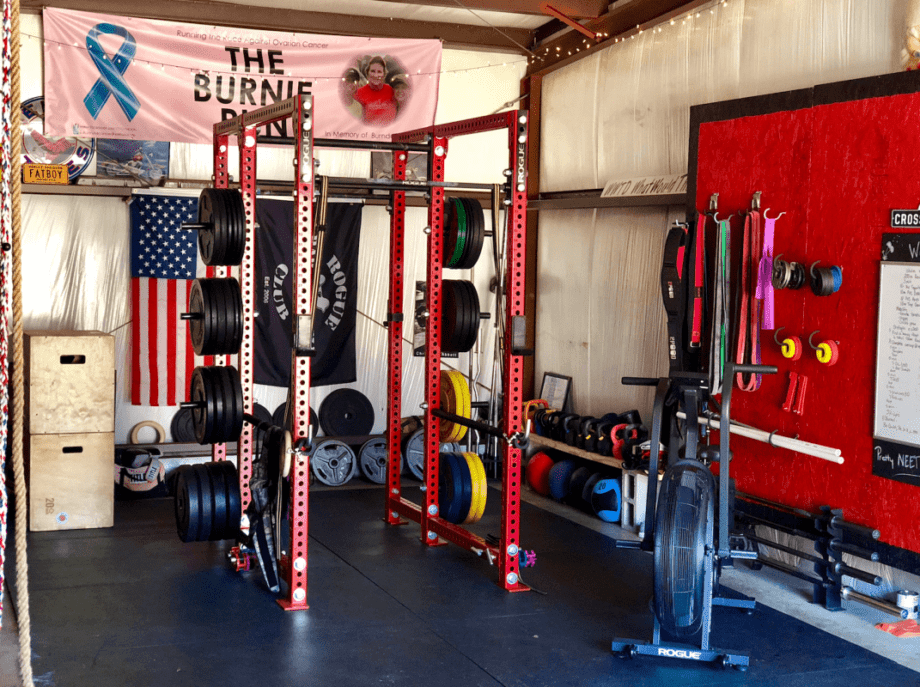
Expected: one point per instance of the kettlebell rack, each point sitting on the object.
(433, 527)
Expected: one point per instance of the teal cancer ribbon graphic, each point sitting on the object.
(111, 81)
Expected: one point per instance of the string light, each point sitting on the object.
(638, 30)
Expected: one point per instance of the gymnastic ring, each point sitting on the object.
(157, 427)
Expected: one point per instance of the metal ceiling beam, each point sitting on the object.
(576, 9)
(299, 21)
(572, 46)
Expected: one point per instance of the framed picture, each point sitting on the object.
(555, 390)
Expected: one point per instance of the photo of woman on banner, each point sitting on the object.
(379, 86)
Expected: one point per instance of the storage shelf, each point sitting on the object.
(575, 451)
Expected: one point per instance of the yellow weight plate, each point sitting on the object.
(461, 402)
(464, 400)
(448, 404)
(478, 472)
(476, 497)
(485, 487)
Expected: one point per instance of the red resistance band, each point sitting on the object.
(748, 350)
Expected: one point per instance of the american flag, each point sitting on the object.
(164, 261)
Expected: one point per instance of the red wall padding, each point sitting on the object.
(836, 171)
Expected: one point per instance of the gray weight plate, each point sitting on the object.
(372, 459)
(414, 454)
(333, 462)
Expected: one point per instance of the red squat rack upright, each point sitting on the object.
(433, 527)
(293, 566)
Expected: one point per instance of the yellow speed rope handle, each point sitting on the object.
(22, 501)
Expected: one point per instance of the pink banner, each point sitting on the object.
(142, 79)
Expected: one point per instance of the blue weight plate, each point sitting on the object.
(450, 490)
(466, 482)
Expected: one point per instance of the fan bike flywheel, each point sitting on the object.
(683, 528)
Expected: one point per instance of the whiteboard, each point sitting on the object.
(897, 366)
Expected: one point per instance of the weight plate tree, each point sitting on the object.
(333, 462)
(222, 234)
(215, 316)
(685, 511)
(226, 237)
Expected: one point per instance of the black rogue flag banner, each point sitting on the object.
(334, 328)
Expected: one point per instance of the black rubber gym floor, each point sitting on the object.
(132, 605)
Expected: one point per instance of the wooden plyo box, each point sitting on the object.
(69, 382)
(71, 480)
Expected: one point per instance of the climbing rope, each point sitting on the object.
(4, 282)
(22, 502)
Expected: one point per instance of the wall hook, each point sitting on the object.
(775, 218)
(755, 200)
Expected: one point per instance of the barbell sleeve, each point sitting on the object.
(837, 521)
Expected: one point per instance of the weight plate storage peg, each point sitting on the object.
(333, 462)
(221, 226)
(215, 316)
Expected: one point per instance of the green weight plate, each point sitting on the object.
(463, 230)
(450, 231)
(475, 234)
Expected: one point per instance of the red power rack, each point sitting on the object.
(432, 526)
(244, 127)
